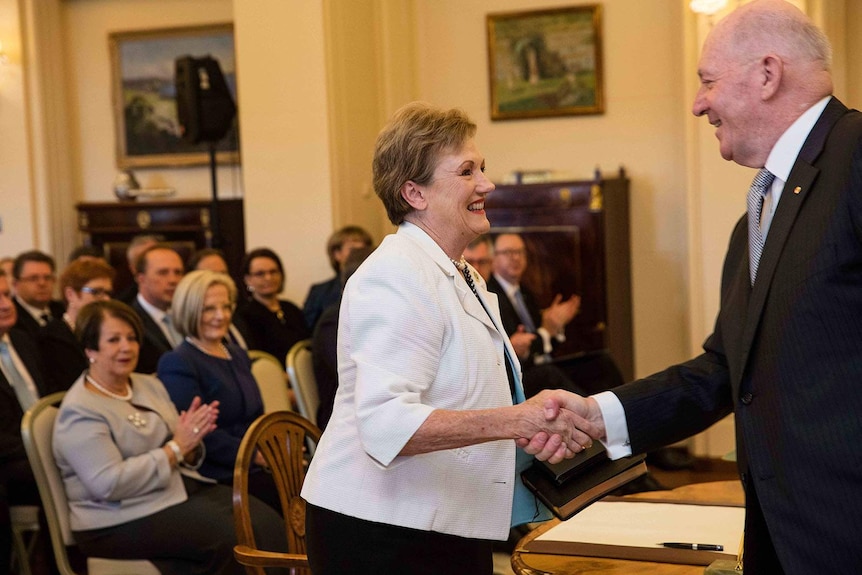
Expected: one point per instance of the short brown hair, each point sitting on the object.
(337, 239)
(410, 146)
(79, 272)
(188, 303)
(88, 325)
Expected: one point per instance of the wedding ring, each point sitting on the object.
(196, 430)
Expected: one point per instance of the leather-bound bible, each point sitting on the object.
(569, 486)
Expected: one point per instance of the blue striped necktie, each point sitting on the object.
(22, 391)
(759, 188)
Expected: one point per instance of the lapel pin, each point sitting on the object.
(797, 189)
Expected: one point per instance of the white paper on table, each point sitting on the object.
(646, 524)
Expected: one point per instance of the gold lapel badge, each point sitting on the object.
(797, 189)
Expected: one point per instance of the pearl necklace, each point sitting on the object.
(124, 397)
(221, 347)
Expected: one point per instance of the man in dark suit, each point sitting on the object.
(21, 384)
(159, 270)
(33, 282)
(532, 331)
(786, 351)
(338, 247)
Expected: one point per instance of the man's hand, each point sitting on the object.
(522, 341)
(556, 316)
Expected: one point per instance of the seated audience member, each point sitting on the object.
(203, 366)
(21, 385)
(160, 269)
(87, 252)
(63, 359)
(214, 260)
(211, 259)
(480, 255)
(324, 349)
(137, 246)
(273, 324)
(324, 294)
(128, 461)
(33, 281)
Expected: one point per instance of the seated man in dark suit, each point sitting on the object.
(159, 270)
(21, 385)
(33, 281)
(533, 332)
(324, 294)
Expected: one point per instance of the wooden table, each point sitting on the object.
(525, 563)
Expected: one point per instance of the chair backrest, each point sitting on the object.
(280, 437)
(37, 431)
(300, 370)
(271, 380)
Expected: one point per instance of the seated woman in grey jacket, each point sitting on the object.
(128, 461)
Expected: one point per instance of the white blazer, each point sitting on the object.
(413, 338)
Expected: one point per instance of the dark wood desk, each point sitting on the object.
(525, 563)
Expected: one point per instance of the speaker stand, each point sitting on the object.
(215, 242)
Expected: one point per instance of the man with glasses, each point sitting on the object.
(33, 282)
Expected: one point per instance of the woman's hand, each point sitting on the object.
(195, 423)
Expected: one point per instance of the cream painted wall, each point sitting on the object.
(86, 24)
(642, 129)
(17, 216)
(280, 49)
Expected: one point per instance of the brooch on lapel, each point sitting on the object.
(797, 189)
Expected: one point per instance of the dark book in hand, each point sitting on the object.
(569, 486)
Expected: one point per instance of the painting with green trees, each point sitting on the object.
(545, 62)
(147, 129)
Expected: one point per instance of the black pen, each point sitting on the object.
(694, 546)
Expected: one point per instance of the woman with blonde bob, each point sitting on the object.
(206, 365)
(419, 460)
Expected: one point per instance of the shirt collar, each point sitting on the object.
(157, 314)
(786, 149)
(34, 311)
(509, 288)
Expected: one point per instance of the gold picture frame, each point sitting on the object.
(144, 94)
(546, 62)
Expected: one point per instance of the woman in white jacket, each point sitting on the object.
(419, 458)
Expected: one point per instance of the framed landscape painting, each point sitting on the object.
(545, 62)
(144, 94)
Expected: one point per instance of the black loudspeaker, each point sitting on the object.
(205, 107)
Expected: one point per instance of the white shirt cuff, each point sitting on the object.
(616, 429)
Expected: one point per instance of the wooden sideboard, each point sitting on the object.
(186, 224)
(577, 239)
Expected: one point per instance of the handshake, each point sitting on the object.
(555, 425)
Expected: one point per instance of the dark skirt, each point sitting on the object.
(339, 544)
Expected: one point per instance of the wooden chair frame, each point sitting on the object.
(280, 437)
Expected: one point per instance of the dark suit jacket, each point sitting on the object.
(187, 372)
(28, 323)
(324, 355)
(786, 356)
(63, 358)
(11, 446)
(155, 343)
(267, 333)
(511, 319)
(320, 297)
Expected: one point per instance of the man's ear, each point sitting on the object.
(772, 69)
(414, 195)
